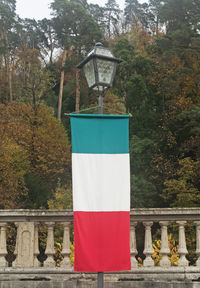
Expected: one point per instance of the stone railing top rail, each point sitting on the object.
(138, 214)
(165, 214)
(28, 215)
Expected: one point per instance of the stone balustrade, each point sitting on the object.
(27, 251)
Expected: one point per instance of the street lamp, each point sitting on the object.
(99, 68)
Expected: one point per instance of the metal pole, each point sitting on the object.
(100, 279)
(100, 111)
(100, 108)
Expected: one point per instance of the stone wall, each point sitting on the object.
(92, 284)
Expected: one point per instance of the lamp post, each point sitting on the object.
(99, 68)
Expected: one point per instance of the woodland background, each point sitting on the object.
(158, 82)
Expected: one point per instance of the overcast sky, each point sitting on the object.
(38, 9)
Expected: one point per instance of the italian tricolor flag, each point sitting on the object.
(101, 192)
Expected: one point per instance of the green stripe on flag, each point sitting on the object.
(106, 134)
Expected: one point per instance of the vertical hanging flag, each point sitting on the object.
(101, 192)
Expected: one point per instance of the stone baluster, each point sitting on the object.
(148, 249)
(198, 242)
(182, 250)
(36, 245)
(3, 247)
(16, 245)
(134, 251)
(66, 251)
(164, 262)
(49, 262)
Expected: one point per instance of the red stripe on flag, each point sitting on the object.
(102, 241)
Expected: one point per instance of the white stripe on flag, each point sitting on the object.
(101, 182)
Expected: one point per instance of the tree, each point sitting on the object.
(62, 198)
(38, 153)
(66, 54)
(74, 26)
(47, 38)
(37, 35)
(136, 80)
(154, 16)
(112, 18)
(176, 53)
(97, 13)
(29, 33)
(184, 190)
(7, 23)
(124, 50)
(33, 81)
(135, 13)
(14, 165)
(75, 30)
(178, 14)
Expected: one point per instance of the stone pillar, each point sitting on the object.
(134, 251)
(36, 246)
(198, 242)
(49, 262)
(24, 245)
(3, 246)
(148, 249)
(66, 251)
(182, 250)
(164, 262)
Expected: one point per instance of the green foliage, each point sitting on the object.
(113, 104)
(135, 13)
(39, 191)
(178, 14)
(97, 13)
(69, 92)
(141, 151)
(189, 122)
(184, 191)
(143, 193)
(35, 154)
(111, 18)
(137, 92)
(7, 11)
(62, 198)
(74, 25)
(14, 165)
(33, 81)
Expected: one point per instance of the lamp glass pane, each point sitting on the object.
(104, 52)
(89, 73)
(105, 71)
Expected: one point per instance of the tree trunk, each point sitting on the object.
(157, 23)
(61, 85)
(66, 53)
(10, 81)
(77, 90)
(51, 47)
(8, 64)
